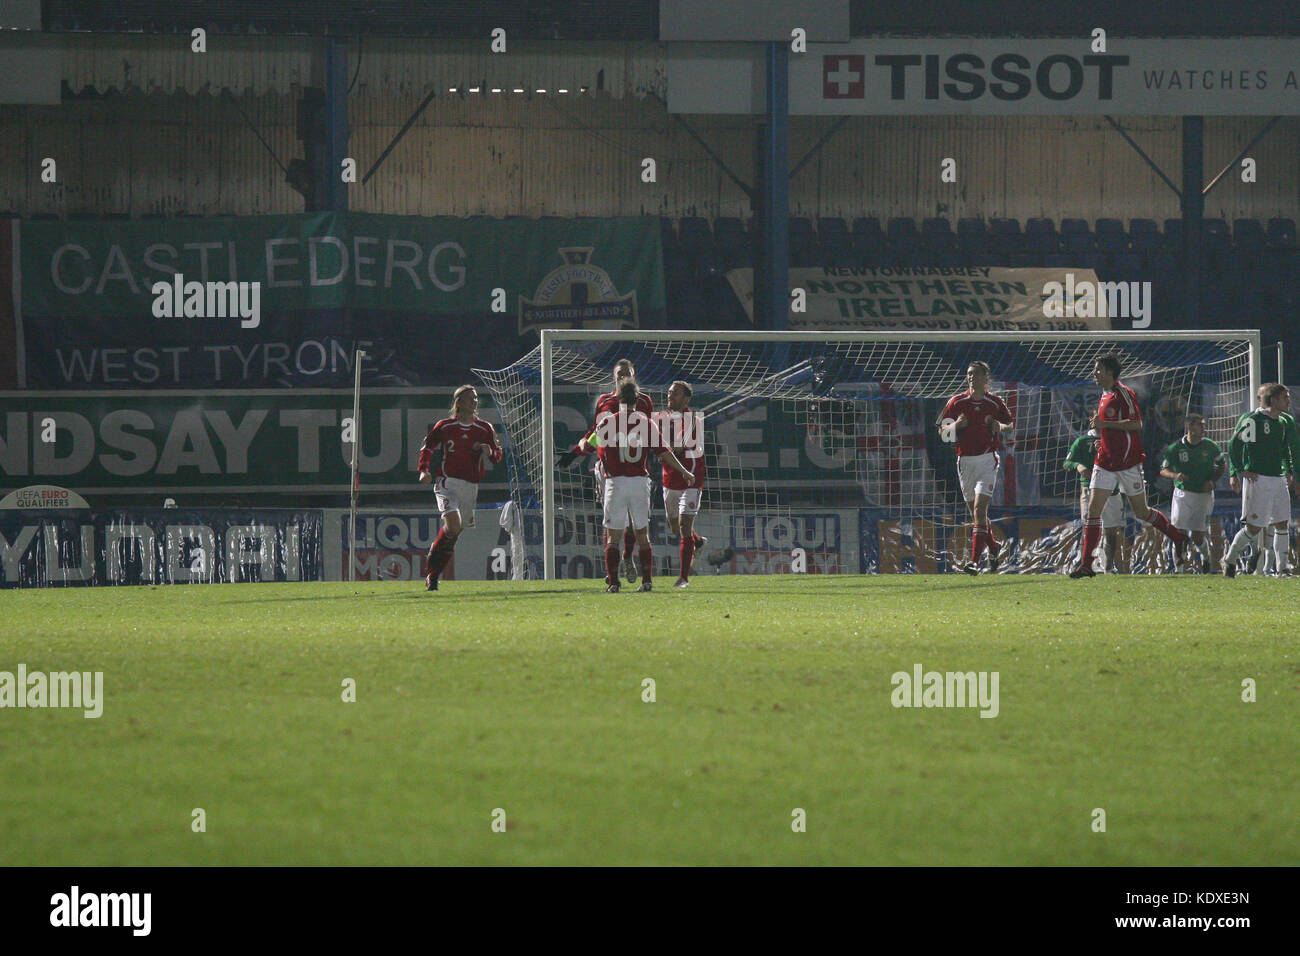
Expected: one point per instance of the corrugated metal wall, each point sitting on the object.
(568, 154)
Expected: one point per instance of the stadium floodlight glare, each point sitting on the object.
(846, 419)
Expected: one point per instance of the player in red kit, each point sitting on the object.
(468, 444)
(586, 445)
(627, 437)
(682, 498)
(974, 420)
(1118, 422)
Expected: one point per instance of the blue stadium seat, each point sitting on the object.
(972, 235)
(1144, 234)
(1059, 260)
(830, 227)
(868, 241)
(1129, 265)
(1040, 236)
(937, 235)
(1173, 239)
(1110, 236)
(1075, 227)
(1281, 233)
(1248, 234)
(1214, 235)
(904, 240)
(1005, 237)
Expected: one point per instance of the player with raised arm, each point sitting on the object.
(1080, 459)
(468, 444)
(682, 497)
(973, 420)
(1262, 459)
(1118, 423)
(623, 368)
(1194, 464)
(627, 436)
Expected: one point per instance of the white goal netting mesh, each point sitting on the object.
(831, 449)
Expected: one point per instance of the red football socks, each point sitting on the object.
(1161, 524)
(647, 562)
(439, 552)
(611, 565)
(1091, 538)
(629, 542)
(687, 552)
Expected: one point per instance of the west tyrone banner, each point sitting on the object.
(154, 304)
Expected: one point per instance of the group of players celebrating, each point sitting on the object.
(1262, 459)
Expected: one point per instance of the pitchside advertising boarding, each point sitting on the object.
(1092, 75)
(286, 300)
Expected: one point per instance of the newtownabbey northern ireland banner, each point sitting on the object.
(284, 301)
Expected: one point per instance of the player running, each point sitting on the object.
(1264, 451)
(468, 444)
(1118, 423)
(1082, 454)
(973, 420)
(682, 497)
(1195, 464)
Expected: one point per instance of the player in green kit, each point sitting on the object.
(1082, 454)
(1195, 464)
(1262, 459)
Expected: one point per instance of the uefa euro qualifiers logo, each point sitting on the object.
(657, 431)
(577, 295)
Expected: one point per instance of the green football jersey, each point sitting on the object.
(1274, 450)
(1198, 462)
(1082, 452)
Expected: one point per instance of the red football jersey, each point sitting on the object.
(977, 437)
(459, 457)
(622, 459)
(672, 478)
(1117, 450)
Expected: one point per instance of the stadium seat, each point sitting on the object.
(1144, 235)
(868, 239)
(1281, 233)
(904, 240)
(1110, 236)
(1173, 236)
(1005, 237)
(667, 230)
(1129, 266)
(1059, 260)
(828, 227)
(937, 235)
(732, 243)
(805, 251)
(1040, 236)
(1075, 227)
(1248, 234)
(1214, 235)
(972, 235)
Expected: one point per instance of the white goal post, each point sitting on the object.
(819, 377)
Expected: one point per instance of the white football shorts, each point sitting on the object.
(627, 499)
(1266, 500)
(978, 474)
(456, 494)
(682, 501)
(1128, 482)
(1192, 509)
(1112, 516)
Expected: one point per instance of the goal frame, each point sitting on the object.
(552, 337)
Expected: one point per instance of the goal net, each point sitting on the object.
(823, 450)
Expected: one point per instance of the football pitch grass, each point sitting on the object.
(771, 694)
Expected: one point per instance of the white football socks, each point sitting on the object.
(1281, 548)
(1243, 538)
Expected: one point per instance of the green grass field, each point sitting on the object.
(773, 693)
